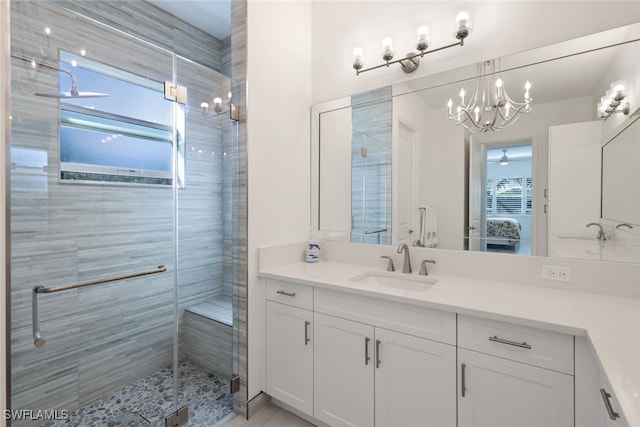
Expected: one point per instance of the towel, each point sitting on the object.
(431, 227)
(422, 236)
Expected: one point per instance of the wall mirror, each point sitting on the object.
(393, 165)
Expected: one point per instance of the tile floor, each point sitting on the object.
(146, 401)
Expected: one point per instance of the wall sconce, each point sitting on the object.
(611, 102)
(411, 61)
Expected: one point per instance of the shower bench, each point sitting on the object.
(207, 334)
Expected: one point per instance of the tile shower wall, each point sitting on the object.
(102, 337)
(371, 169)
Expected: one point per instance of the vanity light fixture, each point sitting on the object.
(217, 105)
(611, 102)
(490, 107)
(411, 61)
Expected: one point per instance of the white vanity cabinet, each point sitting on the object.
(290, 344)
(513, 375)
(368, 375)
(343, 372)
(596, 404)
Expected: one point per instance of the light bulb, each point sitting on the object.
(204, 106)
(423, 43)
(619, 88)
(449, 105)
(462, 18)
(527, 85)
(387, 43)
(74, 63)
(217, 105)
(47, 30)
(499, 83)
(229, 95)
(358, 52)
(462, 92)
(83, 52)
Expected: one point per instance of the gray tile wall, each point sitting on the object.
(371, 175)
(102, 337)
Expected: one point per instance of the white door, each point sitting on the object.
(402, 182)
(496, 392)
(290, 355)
(343, 372)
(415, 381)
(477, 194)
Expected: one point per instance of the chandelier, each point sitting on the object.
(490, 107)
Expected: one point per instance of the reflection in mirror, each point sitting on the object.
(621, 177)
(448, 188)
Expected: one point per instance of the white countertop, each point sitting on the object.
(612, 324)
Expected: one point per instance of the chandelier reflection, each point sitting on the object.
(490, 108)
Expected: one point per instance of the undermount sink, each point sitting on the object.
(396, 280)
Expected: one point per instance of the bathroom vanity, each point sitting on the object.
(353, 345)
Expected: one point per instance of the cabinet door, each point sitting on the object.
(290, 355)
(343, 371)
(610, 408)
(496, 392)
(415, 381)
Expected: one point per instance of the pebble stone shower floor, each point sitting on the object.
(147, 401)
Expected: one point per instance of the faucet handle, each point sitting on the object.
(423, 267)
(390, 266)
(624, 224)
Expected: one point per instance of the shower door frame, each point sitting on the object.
(240, 276)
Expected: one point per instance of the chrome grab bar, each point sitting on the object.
(35, 318)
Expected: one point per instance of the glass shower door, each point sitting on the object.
(93, 198)
(205, 242)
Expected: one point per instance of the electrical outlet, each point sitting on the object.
(554, 272)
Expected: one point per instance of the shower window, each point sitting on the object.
(125, 137)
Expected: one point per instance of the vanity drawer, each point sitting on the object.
(410, 319)
(290, 293)
(538, 347)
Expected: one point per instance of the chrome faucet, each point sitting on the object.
(601, 236)
(406, 267)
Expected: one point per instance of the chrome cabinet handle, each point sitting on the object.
(463, 381)
(289, 294)
(607, 403)
(306, 332)
(513, 343)
(377, 354)
(366, 350)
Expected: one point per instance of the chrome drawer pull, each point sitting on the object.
(607, 402)
(514, 343)
(306, 332)
(289, 294)
(378, 354)
(463, 379)
(366, 350)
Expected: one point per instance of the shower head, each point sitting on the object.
(73, 93)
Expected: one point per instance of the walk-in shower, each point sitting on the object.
(124, 251)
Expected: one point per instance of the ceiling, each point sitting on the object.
(210, 16)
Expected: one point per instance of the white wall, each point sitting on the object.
(278, 129)
(523, 25)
